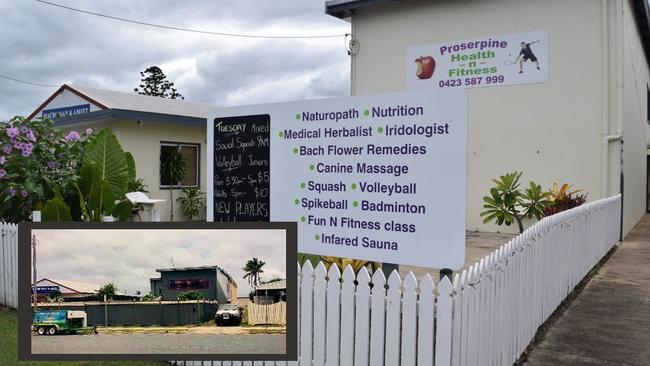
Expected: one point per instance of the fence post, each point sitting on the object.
(443, 324)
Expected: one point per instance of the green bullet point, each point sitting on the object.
(317, 237)
(366, 113)
(296, 201)
(380, 130)
(297, 115)
(355, 203)
(302, 185)
(302, 219)
(312, 167)
(354, 186)
(280, 134)
(295, 150)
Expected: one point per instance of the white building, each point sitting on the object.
(570, 128)
(147, 127)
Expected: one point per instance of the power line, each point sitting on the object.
(188, 29)
(28, 82)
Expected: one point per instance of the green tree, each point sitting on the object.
(109, 290)
(154, 83)
(507, 203)
(149, 297)
(252, 270)
(192, 203)
(189, 295)
(55, 295)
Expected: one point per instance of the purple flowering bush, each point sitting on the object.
(37, 163)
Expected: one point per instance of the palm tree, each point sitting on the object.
(253, 269)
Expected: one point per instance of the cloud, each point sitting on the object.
(128, 258)
(41, 43)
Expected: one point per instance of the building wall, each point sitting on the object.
(211, 293)
(551, 131)
(636, 78)
(143, 141)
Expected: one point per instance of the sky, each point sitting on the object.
(49, 45)
(128, 258)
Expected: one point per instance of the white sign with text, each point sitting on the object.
(380, 177)
(507, 59)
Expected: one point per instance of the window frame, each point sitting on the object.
(198, 164)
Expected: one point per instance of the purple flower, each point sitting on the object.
(72, 136)
(89, 131)
(12, 192)
(18, 145)
(3, 160)
(12, 132)
(52, 164)
(2, 173)
(27, 149)
(24, 129)
(23, 193)
(7, 149)
(30, 135)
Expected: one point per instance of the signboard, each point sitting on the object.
(66, 111)
(241, 168)
(380, 177)
(507, 59)
(46, 289)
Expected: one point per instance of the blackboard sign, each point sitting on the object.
(241, 168)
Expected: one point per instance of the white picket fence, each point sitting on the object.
(9, 265)
(487, 315)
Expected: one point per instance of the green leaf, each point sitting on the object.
(102, 200)
(56, 210)
(105, 151)
(130, 163)
(89, 176)
(122, 210)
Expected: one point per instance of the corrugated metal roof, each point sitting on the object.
(77, 286)
(144, 103)
(275, 285)
(179, 269)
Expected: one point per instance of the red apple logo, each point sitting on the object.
(426, 65)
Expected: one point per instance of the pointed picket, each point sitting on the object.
(457, 303)
(443, 323)
(333, 316)
(320, 319)
(393, 314)
(377, 320)
(426, 314)
(362, 318)
(460, 352)
(306, 302)
(347, 318)
(409, 317)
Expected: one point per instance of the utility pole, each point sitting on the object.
(34, 271)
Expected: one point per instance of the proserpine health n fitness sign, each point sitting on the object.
(379, 177)
(507, 59)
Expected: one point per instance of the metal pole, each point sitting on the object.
(105, 312)
(34, 292)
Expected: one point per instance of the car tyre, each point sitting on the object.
(40, 331)
(51, 330)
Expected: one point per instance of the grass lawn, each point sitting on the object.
(9, 347)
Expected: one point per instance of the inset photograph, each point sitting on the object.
(150, 291)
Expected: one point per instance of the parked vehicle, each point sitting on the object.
(61, 321)
(228, 314)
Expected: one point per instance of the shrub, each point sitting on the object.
(562, 198)
(189, 295)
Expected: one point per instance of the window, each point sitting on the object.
(190, 153)
(188, 284)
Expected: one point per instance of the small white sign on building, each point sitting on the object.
(379, 177)
(507, 59)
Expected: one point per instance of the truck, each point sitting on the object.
(61, 321)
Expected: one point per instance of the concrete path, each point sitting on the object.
(609, 322)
